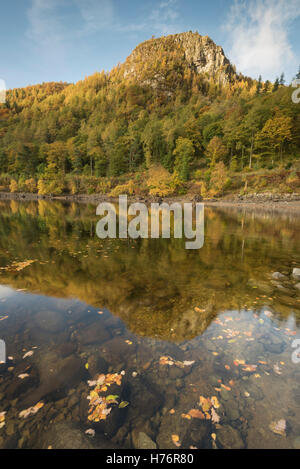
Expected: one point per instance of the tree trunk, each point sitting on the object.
(251, 150)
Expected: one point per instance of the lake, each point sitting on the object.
(142, 343)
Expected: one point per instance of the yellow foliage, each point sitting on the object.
(30, 185)
(123, 189)
(160, 182)
(13, 187)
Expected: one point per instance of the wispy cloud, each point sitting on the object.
(258, 34)
(95, 14)
(164, 18)
(49, 20)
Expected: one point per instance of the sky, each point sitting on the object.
(66, 40)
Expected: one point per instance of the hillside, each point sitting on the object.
(175, 117)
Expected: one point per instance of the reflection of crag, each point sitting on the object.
(156, 287)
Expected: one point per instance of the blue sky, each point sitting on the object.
(53, 40)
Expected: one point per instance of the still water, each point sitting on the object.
(142, 343)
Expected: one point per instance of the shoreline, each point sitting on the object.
(270, 202)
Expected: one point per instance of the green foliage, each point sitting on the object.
(184, 152)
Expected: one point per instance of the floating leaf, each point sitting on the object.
(188, 363)
(2, 419)
(214, 416)
(123, 404)
(175, 439)
(23, 375)
(112, 399)
(197, 414)
(279, 428)
(186, 416)
(31, 410)
(205, 404)
(90, 432)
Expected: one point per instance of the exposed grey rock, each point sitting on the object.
(278, 276)
(200, 53)
(296, 273)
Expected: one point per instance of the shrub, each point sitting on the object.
(123, 189)
(30, 185)
(50, 187)
(219, 180)
(161, 183)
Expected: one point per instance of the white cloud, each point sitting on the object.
(258, 36)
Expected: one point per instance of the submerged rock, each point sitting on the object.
(69, 436)
(144, 398)
(278, 276)
(229, 438)
(50, 321)
(143, 441)
(296, 443)
(57, 378)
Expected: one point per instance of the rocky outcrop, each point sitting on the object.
(198, 53)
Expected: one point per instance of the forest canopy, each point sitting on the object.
(109, 131)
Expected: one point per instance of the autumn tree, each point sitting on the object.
(274, 134)
(215, 151)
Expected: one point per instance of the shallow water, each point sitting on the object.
(200, 341)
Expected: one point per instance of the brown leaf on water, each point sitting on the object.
(186, 416)
(175, 439)
(205, 404)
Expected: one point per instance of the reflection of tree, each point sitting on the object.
(153, 285)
